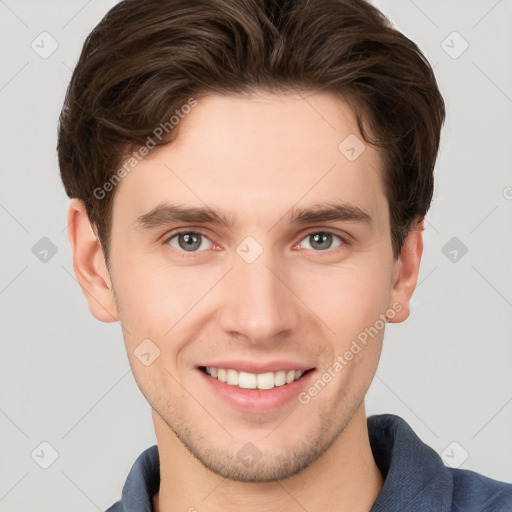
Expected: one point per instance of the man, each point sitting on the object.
(249, 183)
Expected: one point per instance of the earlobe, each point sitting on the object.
(405, 275)
(89, 264)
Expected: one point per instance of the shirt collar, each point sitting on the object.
(415, 476)
(142, 483)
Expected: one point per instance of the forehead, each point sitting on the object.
(259, 155)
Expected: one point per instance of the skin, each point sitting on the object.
(256, 157)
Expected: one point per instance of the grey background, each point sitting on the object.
(65, 378)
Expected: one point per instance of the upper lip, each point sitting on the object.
(255, 367)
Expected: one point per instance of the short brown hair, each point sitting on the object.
(145, 59)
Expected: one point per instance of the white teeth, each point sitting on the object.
(280, 379)
(247, 380)
(232, 377)
(265, 380)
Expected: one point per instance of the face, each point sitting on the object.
(256, 249)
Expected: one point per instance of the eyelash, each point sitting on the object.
(187, 254)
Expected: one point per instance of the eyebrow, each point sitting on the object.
(166, 213)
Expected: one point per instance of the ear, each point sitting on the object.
(89, 264)
(405, 273)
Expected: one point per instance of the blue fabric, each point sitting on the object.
(416, 479)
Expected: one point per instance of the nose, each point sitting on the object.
(258, 301)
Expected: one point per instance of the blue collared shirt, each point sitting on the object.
(416, 480)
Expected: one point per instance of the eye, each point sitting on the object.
(322, 240)
(193, 241)
(189, 241)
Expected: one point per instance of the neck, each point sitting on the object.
(344, 478)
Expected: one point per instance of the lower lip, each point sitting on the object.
(254, 400)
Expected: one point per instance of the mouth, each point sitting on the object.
(259, 381)
(255, 387)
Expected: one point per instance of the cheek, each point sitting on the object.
(152, 298)
(163, 305)
(348, 297)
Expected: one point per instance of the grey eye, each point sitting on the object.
(321, 240)
(188, 241)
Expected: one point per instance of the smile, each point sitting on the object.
(261, 381)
